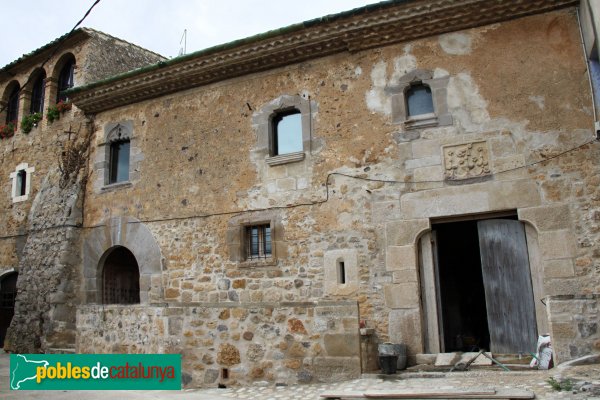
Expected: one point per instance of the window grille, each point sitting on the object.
(121, 278)
(258, 242)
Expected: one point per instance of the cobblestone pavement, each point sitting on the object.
(535, 381)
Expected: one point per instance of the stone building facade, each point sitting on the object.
(438, 188)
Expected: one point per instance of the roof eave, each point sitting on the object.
(367, 27)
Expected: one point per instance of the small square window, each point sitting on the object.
(119, 162)
(287, 132)
(258, 242)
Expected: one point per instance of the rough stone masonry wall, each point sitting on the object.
(48, 258)
(298, 342)
(198, 156)
(575, 326)
(49, 276)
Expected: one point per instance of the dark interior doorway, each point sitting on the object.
(484, 287)
(120, 277)
(462, 293)
(8, 294)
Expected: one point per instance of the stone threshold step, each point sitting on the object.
(474, 393)
(55, 350)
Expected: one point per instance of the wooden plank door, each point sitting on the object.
(430, 293)
(507, 284)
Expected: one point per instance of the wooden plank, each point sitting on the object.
(429, 294)
(507, 284)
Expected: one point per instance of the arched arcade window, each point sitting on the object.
(37, 93)
(12, 104)
(65, 79)
(120, 277)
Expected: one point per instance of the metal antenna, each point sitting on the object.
(182, 50)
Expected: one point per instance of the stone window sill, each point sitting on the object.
(116, 186)
(20, 199)
(268, 262)
(285, 158)
(421, 121)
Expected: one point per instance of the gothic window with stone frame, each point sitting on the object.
(419, 100)
(119, 161)
(118, 158)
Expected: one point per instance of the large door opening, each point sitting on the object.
(476, 287)
(8, 294)
(464, 315)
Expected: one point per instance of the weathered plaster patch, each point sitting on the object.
(538, 100)
(376, 99)
(358, 71)
(465, 103)
(403, 65)
(456, 43)
(440, 73)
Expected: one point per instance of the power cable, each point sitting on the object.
(302, 204)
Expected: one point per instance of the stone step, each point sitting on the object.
(56, 350)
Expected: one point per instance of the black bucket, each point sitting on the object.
(388, 364)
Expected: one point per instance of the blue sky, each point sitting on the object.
(157, 25)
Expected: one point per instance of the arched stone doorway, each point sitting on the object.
(120, 277)
(8, 293)
(135, 237)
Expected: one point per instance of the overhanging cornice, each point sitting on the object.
(368, 27)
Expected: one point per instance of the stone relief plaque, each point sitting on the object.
(465, 161)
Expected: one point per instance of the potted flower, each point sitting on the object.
(63, 106)
(53, 113)
(30, 121)
(7, 130)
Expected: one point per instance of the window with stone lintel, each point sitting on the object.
(419, 100)
(118, 157)
(21, 182)
(256, 240)
(284, 128)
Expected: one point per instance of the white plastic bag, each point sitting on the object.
(543, 356)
